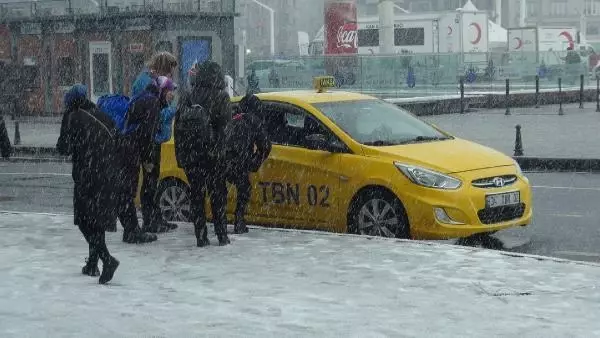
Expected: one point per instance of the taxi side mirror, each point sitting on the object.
(320, 142)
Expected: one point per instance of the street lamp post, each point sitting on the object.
(272, 24)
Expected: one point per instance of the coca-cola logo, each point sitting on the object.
(347, 36)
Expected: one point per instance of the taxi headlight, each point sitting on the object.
(428, 178)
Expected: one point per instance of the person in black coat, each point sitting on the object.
(248, 146)
(89, 137)
(136, 150)
(5, 147)
(201, 152)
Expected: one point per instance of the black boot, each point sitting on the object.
(138, 236)
(91, 268)
(108, 270)
(221, 231)
(201, 236)
(240, 227)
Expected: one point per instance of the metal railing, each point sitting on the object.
(406, 75)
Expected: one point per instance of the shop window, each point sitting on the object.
(66, 71)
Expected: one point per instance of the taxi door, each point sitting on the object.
(296, 185)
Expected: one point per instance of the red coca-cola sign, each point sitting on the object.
(341, 36)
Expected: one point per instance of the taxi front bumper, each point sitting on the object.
(446, 214)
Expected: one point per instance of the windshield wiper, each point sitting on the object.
(426, 139)
(379, 143)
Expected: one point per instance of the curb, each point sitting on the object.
(548, 164)
(370, 238)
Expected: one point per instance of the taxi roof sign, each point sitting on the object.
(321, 83)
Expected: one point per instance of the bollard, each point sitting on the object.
(507, 97)
(537, 91)
(518, 142)
(462, 95)
(17, 140)
(581, 92)
(597, 94)
(560, 109)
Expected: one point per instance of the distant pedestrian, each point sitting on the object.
(253, 84)
(5, 147)
(89, 136)
(248, 146)
(202, 115)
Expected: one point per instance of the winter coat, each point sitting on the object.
(142, 81)
(209, 92)
(248, 144)
(167, 115)
(136, 148)
(90, 136)
(5, 147)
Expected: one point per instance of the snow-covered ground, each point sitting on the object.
(272, 283)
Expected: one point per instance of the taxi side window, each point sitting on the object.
(289, 125)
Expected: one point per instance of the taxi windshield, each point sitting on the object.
(378, 123)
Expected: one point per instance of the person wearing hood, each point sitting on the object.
(202, 115)
(248, 146)
(161, 64)
(89, 137)
(137, 150)
(5, 147)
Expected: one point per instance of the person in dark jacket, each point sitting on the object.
(152, 217)
(136, 149)
(201, 154)
(5, 147)
(248, 146)
(89, 137)
(161, 64)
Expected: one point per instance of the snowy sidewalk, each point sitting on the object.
(272, 283)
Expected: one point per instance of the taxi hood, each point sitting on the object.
(447, 156)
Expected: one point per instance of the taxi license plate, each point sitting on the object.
(501, 200)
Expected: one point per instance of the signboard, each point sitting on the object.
(100, 68)
(64, 27)
(31, 28)
(137, 24)
(136, 48)
(341, 29)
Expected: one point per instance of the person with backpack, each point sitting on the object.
(137, 121)
(89, 137)
(202, 115)
(5, 146)
(248, 146)
(161, 64)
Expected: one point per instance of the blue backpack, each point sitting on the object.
(117, 107)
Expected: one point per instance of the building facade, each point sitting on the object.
(291, 16)
(106, 47)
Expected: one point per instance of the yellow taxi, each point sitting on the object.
(348, 162)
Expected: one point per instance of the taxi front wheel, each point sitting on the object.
(174, 200)
(378, 213)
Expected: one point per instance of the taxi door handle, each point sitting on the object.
(344, 178)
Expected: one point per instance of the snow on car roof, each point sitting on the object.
(312, 96)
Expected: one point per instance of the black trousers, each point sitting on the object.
(208, 178)
(95, 237)
(241, 181)
(150, 208)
